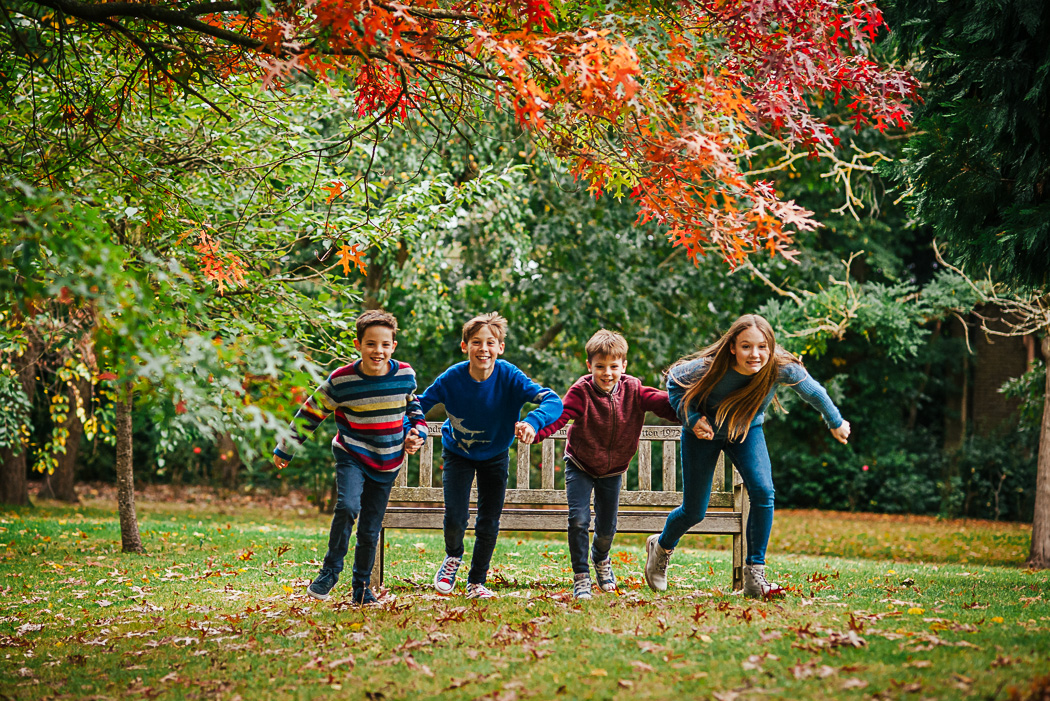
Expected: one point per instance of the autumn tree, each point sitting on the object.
(656, 102)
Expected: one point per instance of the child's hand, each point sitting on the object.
(842, 432)
(702, 429)
(525, 432)
(413, 442)
(280, 462)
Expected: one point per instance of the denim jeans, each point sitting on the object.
(456, 478)
(578, 488)
(698, 469)
(359, 498)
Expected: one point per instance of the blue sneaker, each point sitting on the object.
(322, 584)
(363, 596)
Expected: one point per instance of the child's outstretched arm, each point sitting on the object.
(814, 394)
(656, 401)
(549, 409)
(415, 424)
(688, 416)
(572, 408)
(310, 415)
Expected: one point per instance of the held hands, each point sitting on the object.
(280, 462)
(842, 432)
(702, 429)
(525, 432)
(413, 442)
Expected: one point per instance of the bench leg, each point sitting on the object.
(377, 568)
(741, 503)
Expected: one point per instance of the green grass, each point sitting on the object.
(215, 609)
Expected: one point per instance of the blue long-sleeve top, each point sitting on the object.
(791, 374)
(481, 415)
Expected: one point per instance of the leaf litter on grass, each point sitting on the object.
(81, 619)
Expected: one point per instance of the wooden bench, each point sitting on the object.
(529, 508)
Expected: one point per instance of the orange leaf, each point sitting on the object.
(333, 190)
(348, 254)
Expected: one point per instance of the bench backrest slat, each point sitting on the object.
(645, 466)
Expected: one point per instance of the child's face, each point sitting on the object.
(750, 350)
(606, 371)
(482, 350)
(376, 347)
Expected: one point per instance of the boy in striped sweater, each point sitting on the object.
(379, 421)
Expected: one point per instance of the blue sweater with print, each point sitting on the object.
(481, 415)
(791, 374)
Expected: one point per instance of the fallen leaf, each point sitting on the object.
(641, 666)
(854, 683)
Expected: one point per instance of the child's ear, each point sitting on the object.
(589, 369)
(624, 366)
(357, 345)
(463, 346)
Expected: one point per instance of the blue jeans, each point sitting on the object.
(359, 498)
(578, 487)
(456, 477)
(699, 458)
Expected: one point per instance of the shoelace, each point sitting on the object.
(604, 570)
(449, 568)
(581, 586)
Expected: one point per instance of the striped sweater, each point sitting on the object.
(370, 413)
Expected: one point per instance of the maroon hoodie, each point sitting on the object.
(606, 425)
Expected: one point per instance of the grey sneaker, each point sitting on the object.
(581, 586)
(756, 586)
(445, 578)
(479, 591)
(322, 584)
(656, 561)
(604, 573)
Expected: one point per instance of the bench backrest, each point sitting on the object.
(525, 493)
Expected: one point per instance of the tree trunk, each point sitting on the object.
(14, 487)
(60, 484)
(1039, 557)
(129, 524)
(228, 462)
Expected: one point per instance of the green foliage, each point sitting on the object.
(978, 167)
(14, 418)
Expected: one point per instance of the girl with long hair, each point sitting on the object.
(721, 394)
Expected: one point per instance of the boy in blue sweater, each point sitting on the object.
(483, 398)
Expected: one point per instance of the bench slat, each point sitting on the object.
(669, 450)
(645, 466)
(426, 464)
(523, 466)
(548, 465)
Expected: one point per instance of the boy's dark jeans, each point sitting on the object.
(359, 498)
(456, 478)
(578, 488)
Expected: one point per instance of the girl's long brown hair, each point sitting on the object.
(737, 410)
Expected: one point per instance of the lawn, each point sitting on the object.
(878, 607)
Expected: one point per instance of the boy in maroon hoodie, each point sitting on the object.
(608, 409)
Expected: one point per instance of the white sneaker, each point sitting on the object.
(445, 578)
(606, 578)
(756, 586)
(479, 591)
(581, 586)
(656, 561)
